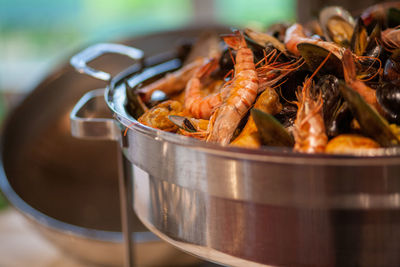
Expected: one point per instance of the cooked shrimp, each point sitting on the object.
(309, 128)
(172, 82)
(200, 106)
(295, 35)
(349, 69)
(242, 94)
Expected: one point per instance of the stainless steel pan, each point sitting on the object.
(241, 206)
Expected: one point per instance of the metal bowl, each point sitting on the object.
(246, 207)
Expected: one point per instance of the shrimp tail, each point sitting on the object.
(349, 68)
(235, 40)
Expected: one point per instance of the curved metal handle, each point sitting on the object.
(88, 118)
(80, 60)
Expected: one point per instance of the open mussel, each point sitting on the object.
(264, 39)
(314, 55)
(371, 123)
(272, 133)
(337, 25)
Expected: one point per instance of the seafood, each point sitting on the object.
(332, 93)
(337, 25)
(350, 76)
(172, 82)
(295, 35)
(157, 116)
(242, 94)
(271, 132)
(198, 105)
(263, 39)
(388, 97)
(349, 143)
(391, 38)
(196, 128)
(372, 124)
(309, 127)
(207, 46)
(391, 72)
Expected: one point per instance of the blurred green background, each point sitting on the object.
(36, 35)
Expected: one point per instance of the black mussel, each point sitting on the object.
(340, 121)
(295, 79)
(328, 85)
(371, 123)
(391, 72)
(264, 39)
(314, 55)
(135, 105)
(359, 40)
(272, 133)
(337, 25)
(388, 97)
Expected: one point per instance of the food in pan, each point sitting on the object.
(329, 87)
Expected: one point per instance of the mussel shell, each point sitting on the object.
(391, 72)
(314, 55)
(134, 105)
(388, 97)
(359, 40)
(272, 133)
(335, 12)
(329, 87)
(287, 116)
(337, 115)
(340, 121)
(372, 124)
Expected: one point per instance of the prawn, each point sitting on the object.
(295, 35)
(242, 94)
(201, 107)
(172, 82)
(309, 127)
(349, 70)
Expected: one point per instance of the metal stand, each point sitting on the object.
(125, 193)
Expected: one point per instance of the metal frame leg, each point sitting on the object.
(125, 193)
